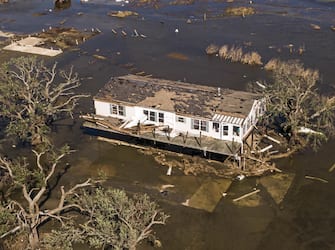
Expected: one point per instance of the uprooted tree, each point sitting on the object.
(33, 95)
(294, 104)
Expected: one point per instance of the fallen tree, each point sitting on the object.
(295, 107)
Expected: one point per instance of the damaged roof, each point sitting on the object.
(178, 97)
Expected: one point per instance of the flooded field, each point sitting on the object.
(173, 47)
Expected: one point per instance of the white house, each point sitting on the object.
(184, 108)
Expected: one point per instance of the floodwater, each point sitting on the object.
(306, 217)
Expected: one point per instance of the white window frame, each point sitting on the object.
(181, 119)
(216, 127)
(160, 117)
(225, 132)
(197, 124)
(116, 109)
(236, 130)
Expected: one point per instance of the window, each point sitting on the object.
(199, 125)
(181, 119)
(225, 130)
(236, 130)
(161, 117)
(152, 116)
(195, 124)
(216, 127)
(114, 109)
(122, 110)
(117, 110)
(146, 112)
(204, 126)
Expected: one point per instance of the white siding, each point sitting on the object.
(257, 110)
(170, 119)
(101, 108)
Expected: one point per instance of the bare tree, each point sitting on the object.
(25, 212)
(114, 220)
(33, 95)
(294, 103)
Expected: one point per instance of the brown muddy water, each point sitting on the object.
(306, 217)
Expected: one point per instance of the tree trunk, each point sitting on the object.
(33, 238)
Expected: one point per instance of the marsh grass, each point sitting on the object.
(239, 11)
(236, 54)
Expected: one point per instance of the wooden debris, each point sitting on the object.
(63, 21)
(331, 168)
(315, 26)
(100, 57)
(265, 149)
(247, 195)
(140, 73)
(316, 178)
(169, 171)
(272, 139)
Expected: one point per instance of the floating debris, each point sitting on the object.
(122, 14)
(316, 178)
(100, 57)
(331, 168)
(247, 195)
(240, 177)
(169, 171)
(178, 56)
(6, 34)
(63, 21)
(123, 33)
(332, 27)
(315, 26)
(212, 49)
(114, 31)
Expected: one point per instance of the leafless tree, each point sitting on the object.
(33, 95)
(25, 212)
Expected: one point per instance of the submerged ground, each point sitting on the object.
(306, 217)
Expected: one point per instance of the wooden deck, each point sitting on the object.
(207, 146)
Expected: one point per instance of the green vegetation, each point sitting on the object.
(108, 217)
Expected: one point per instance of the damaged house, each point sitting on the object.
(184, 115)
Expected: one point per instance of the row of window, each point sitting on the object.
(203, 126)
(152, 116)
(117, 110)
(196, 124)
